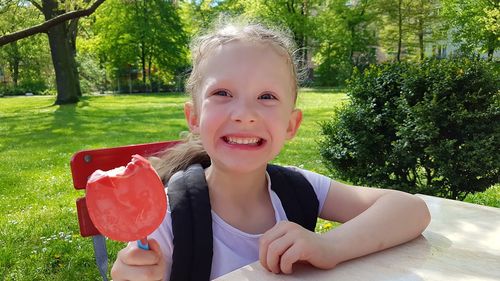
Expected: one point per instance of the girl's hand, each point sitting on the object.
(287, 243)
(136, 264)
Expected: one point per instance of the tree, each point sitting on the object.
(426, 23)
(61, 28)
(474, 25)
(406, 27)
(296, 15)
(315, 25)
(199, 15)
(23, 61)
(147, 34)
(393, 30)
(344, 38)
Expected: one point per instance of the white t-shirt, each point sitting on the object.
(233, 248)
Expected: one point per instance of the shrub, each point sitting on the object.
(333, 71)
(430, 127)
(35, 87)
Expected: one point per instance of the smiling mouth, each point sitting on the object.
(254, 141)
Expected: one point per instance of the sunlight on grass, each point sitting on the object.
(39, 229)
(303, 150)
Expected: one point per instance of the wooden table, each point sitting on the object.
(461, 243)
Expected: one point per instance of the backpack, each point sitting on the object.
(192, 219)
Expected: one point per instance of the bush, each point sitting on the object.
(332, 71)
(431, 128)
(35, 87)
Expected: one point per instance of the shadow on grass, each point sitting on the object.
(88, 124)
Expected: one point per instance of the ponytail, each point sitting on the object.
(179, 157)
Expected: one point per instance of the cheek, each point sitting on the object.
(209, 125)
(279, 126)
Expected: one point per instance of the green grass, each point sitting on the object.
(491, 197)
(38, 226)
(39, 237)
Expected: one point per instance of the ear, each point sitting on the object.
(294, 123)
(191, 117)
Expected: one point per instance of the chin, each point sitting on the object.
(239, 167)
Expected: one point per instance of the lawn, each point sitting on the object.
(38, 223)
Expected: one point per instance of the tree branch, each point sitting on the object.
(44, 27)
(38, 6)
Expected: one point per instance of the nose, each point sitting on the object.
(244, 112)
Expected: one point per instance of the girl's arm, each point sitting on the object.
(373, 220)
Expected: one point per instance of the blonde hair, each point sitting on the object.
(191, 151)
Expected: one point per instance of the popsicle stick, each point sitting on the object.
(143, 244)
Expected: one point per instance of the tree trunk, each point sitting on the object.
(14, 61)
(143, 64)
(420, 19)
(421, 30)
(421, 39)
(491, 52)
(72, 32)
(304, 12)
(400, 30)
(143, 48)
(150, 80)
(15, 72)
(68, 86)
(491, 41)
(63, 56)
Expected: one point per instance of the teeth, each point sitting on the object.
(251, 141)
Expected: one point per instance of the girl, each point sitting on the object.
(244, 86)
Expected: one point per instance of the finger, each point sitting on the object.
(137, 273)
(276, 249)
(133, 255)
(291, 256)
(155, 247)
(118, 267)
(269, 236)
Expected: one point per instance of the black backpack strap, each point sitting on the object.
(296, 195)
(191, 225)
(190, 208)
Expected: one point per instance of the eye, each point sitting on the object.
(268, 96)
(222, 93)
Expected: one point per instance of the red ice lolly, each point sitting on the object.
(127, 203)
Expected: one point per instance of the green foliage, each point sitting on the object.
(92, 73)
(137, 40)
(36, 87)
(144, 43)
(24, 64)
(346, 40)
(200, 15)
(431, 128)
(474, 25)
(491, 197)
(415, 23)
(295, 15)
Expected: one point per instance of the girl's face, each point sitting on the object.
(245, 106)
